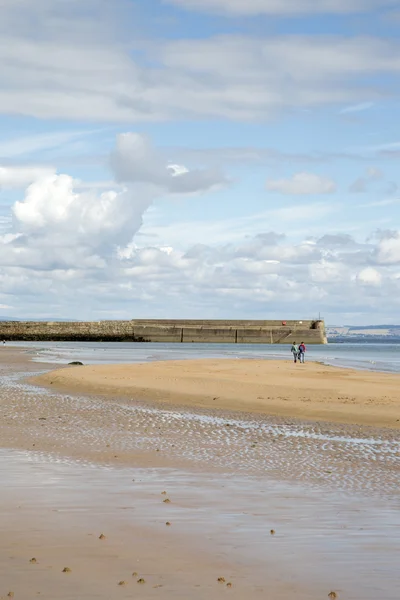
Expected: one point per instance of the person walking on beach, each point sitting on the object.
(295, 351)
(302, 352)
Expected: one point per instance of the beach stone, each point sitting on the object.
(229, 585)
(33, 561)
(102, 536)
(141, 581)
(221, 579)
(332, 595)
(76, 363)
(121, 582)
(272, 532)
(167, 501)
(168, 524)
(66, 570)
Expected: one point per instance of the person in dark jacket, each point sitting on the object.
(302, 352)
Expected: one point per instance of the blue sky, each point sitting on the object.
(187, 158)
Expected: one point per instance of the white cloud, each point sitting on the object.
(52, 208)
(329, 272)
(301, 184)
(20, 177)
(388, 249)
(282, 7)
(369, 276)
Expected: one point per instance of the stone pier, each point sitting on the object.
(169, 330)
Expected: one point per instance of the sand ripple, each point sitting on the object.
(342, 457)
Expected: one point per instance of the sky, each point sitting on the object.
(200, 159)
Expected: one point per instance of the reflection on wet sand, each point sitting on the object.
(220, 527)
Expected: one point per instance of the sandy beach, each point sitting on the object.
(311, 391)
(300, 504)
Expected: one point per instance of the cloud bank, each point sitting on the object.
(50, 55)
(73, 251)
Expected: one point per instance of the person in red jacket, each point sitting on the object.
(302, 352)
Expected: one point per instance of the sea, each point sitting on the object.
(381, 356)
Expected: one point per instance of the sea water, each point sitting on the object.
(383, 356)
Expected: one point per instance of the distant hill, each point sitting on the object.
(50, 319)
(364, 331)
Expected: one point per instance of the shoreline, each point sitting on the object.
(312, 392)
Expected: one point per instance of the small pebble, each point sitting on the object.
(272, 532)
(168, 524)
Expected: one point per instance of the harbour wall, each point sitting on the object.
(167, 330)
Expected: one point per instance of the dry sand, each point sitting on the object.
(311, 391)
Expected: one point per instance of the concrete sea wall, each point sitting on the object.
(159, 330)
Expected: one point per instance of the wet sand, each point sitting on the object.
(310, 391)
(220, 527)
(92, 464)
